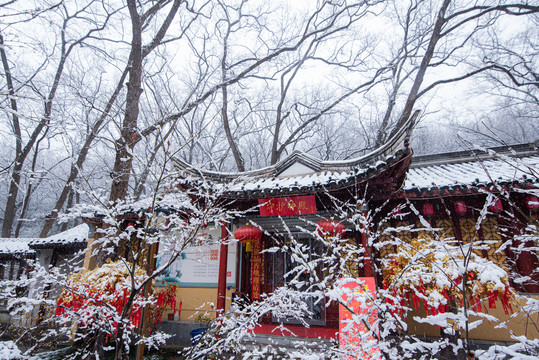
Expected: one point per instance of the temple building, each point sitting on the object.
(300, 199)
(300, 192)
(64, 251)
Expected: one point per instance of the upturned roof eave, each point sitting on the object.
(383, 153)
(356, 178)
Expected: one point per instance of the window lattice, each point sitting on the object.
(405, 235)
(467, 230)
(493, 240)
(469, 233)
(388, 248)
(446, 227)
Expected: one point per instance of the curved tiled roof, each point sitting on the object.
(314, 182)
(243, 186)
(75, 237)
(14, 246)
(309, 174)
(471, 170)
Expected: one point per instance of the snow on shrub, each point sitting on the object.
(99, 296)
(438, 272)
(9, 351)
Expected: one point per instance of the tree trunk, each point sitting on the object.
(22, 153)
(75, 168)
(68, 206)
(130, 135)
(224, 109)
(123, 162)
(30, 187)
(434, 38)
(9, 212)
(10, 209)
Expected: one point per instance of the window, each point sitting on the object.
(10, 270)
(282, 263)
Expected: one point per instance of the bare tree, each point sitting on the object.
(452, 18)
(432, 36)
(66, 45)
(129, 127)
(82, 155)
(319, 25)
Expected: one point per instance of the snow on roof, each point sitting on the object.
(467, 170)
(291, 182)
(312, 166)
(75, 236)
(263, 177)
(265, 185)
(14, 246)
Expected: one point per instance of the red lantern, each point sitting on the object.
(248, 234)
(329, 228)
(428, 209)
(497, 206)
(532, 202)
(460, 207)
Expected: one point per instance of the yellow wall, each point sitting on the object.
(88, 255)
(198, 301)
(520, 325)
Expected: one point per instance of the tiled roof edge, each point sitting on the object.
(465, 189)
(385, 151)
(455, 157)
(355, 176)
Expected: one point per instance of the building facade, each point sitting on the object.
(448, 191)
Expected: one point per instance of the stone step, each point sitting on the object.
(288, 347)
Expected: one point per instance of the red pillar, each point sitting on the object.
(367, 263)
(223, 259)
(527, 261)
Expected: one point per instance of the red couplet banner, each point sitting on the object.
(256, 270)
(291, 205)
(358, 320)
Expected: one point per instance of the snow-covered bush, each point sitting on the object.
(109, 307)
(94, 300)
(117, 298)
(10, 351)
(429, 272)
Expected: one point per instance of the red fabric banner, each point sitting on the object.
(256, 270)
(291, 205)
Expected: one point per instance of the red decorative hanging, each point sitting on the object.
(497, 206)
(81, 303)
(532, 202)
(428, 209)
(329, 228)
(248, 234)
(460, 207)
(418, 292)
(256, 270)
